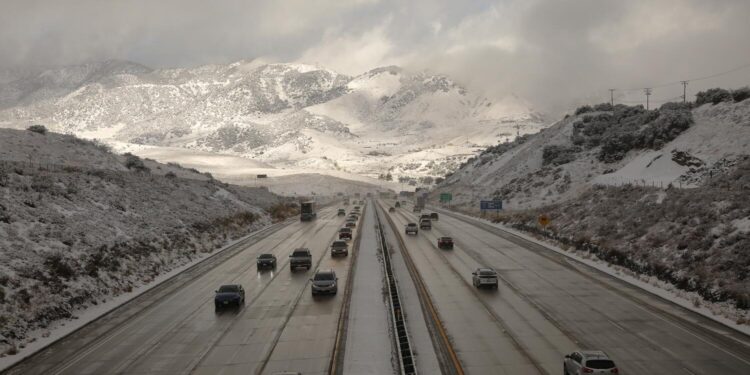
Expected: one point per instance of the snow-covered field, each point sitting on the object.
(78, 228)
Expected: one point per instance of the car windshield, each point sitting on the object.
(229, 289)
(600, 364)
(265, 256)
(486, 273)
(300, 253)
(339, 244)
(345, 230)
(323, 276)
(412, 225)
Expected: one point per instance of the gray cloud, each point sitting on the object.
(554, 53)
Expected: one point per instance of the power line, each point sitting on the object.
(741, 67)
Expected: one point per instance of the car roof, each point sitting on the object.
(485, 269)
(594, 354)
(301, 249)
(446, 238)
(328, 271)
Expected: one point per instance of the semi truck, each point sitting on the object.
(420, 202)
(307, 211)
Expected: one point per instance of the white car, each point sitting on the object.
(484, 277)
(589, 362)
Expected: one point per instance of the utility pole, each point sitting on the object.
(684, 90)
(648, 93)
(612, 97)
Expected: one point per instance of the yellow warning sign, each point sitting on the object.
(544, 220)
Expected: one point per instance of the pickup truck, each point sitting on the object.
(412, 228)
(425, 224)
(445, 243)
(300, 257)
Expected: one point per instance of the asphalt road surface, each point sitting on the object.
(550, 306)
(545, 307)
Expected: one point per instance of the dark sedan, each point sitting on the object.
(229, 295)
(266, 261)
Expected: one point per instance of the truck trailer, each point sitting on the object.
(307, 211)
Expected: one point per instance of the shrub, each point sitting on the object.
(714, 96)
(741, 94)
(58, 266)
(583, 109)
(170, 174)
(603, 107)
(559, 154)
(134, 162)
(615, 146)
(37, 129)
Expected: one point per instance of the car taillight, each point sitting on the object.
(587, 370)
(614, 371)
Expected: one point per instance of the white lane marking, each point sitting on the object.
(617, 325)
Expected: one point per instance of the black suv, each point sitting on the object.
(229, 295)
(266, 261)
(339, 247)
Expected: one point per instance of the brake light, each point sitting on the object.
(587, 370)
(614, 371)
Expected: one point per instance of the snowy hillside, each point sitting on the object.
(591, 148)
(287, 115)
(79, 225)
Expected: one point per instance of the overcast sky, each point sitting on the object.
(554, 53)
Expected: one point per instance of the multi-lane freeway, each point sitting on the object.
(545, 306)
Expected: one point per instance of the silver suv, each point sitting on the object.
(484, 277)
(324, 282)
(588, 362)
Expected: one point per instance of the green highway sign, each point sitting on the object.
(446, 197)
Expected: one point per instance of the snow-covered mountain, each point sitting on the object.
(288, 115)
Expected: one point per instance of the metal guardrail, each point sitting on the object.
(404, 348)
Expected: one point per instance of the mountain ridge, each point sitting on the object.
(286, 114)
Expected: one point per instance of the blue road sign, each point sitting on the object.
(491, 205)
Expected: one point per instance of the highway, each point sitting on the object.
(546, 306)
